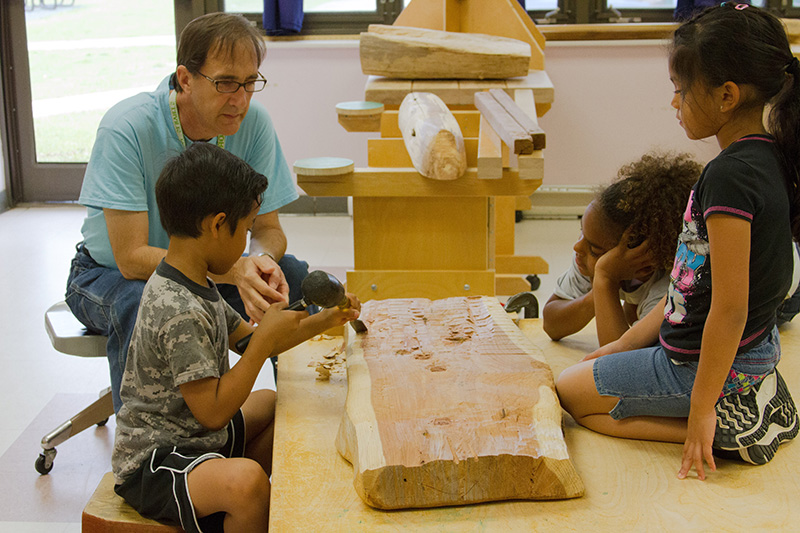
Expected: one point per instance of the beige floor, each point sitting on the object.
(37, 243)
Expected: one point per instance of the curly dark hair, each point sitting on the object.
(650, 196)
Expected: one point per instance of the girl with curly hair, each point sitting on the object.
(622, 259)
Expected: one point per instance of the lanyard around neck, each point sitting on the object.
(173, 109)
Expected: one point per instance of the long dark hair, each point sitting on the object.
(745, 45)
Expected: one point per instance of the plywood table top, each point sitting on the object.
(630, 485)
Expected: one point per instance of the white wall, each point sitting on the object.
(612, 104)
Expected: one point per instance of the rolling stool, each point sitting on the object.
(69, 336)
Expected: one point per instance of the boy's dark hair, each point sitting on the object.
(212, 32)
(205, 180)
(747, 46)
(650, 196)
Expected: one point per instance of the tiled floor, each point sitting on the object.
(43, 387)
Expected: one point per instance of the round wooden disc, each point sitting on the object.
(359, 108)
(323, 166)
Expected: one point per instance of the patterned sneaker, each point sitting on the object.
(753, 425)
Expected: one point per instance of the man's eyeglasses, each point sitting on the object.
(230, 86)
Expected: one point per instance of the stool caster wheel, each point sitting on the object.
(534, 280)
(44, 463)
(518, 216)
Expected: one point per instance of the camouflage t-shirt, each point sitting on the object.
(181, 335)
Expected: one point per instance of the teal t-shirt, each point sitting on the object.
(136, 138)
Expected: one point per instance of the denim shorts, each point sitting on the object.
(650, 383)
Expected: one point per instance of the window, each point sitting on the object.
(352, 16)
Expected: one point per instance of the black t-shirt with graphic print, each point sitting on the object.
(745, 180)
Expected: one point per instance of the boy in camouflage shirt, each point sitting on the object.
(193, 444)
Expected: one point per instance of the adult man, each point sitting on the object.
(206, 99)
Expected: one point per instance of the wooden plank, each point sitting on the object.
(392, 153)
(407, 182)
(490, 155)
(468, 121)
(530, 166)
(417, 53)
(515, 137)
(630, 485)
(391, 92)
(420, 234)
(510, 284)
(433, 284)
(520, 264)
(527, 122)
(432, 137)
(504, 225)
(448, 403)
(507, 18)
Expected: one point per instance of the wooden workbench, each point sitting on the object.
(630, 485)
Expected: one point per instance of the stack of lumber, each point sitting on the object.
(448, 403)
(416, 53)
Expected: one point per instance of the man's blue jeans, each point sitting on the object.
(107, 303)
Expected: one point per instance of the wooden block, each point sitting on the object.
(323, 166)
(517, 139)
(490, 154)
(523, 203)
(531, 166)
(417, 53)
(433, 284)
(468, 121)
(526, 118)
(407, 182)
(360, 116)
(432, 137)
(504, 224)
(520, 264)
(391, 92)
(392, 153)
(106, 512)
(447, 90)
(387, 91)
(420, 233)
(510, 284)
(448, 403)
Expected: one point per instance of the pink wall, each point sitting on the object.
(612, 103)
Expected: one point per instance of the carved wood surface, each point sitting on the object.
(432, 136)
(448, 403)
(416, 53)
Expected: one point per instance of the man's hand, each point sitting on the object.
(261, 283)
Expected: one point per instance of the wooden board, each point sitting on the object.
(448, 403)
(498, 17)
(391, 92)
(432, 136)
(392, 153)
(407, 182)
(630, 485)
(416, 53)
(502, 122)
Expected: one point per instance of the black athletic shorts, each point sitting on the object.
(158, 489)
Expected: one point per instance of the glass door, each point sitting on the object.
(71, 60)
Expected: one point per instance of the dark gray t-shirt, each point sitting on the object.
(181, 335)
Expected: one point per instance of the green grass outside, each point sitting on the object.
(69, 137)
